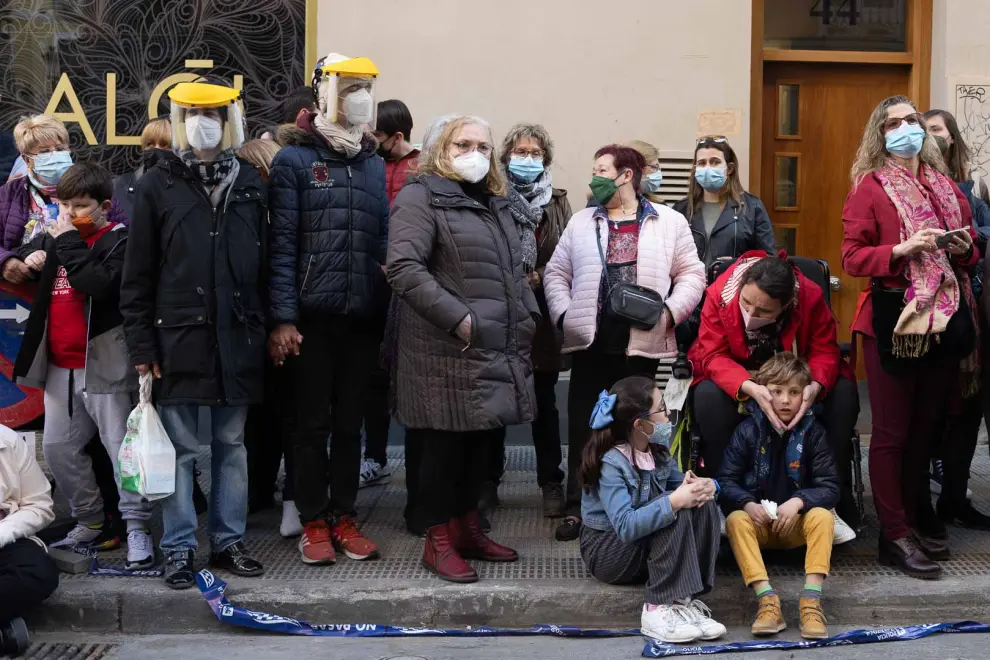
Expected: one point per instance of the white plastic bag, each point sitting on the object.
(147, 457)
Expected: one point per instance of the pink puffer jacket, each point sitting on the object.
(667, 254)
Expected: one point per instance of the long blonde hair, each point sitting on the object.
(436, 161)
(260, 153)
(872, 154)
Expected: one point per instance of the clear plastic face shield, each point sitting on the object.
(206, 117)
(346, 93)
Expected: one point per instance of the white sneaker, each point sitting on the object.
(290, 526)
(81, 536)
(140, 550)
(670, 623)
(710, 628)
(372, 473)
(843, 532)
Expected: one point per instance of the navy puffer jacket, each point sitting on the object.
(328, 228)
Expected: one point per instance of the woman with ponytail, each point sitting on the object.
(645, 521)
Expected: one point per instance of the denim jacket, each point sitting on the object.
(621, 501)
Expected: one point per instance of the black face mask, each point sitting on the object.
(386, 153)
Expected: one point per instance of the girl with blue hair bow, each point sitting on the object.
(645, 521)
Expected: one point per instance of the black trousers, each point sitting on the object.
(591, 372)
(331, 378)
(377, 417)
(450, 472)
(27, 577)
(958, 446)
(546, 435)
(414, 461)
(717, 416)
(267, 435)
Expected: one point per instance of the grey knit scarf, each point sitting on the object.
(526, 202)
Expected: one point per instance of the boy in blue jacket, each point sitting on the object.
(793, 468)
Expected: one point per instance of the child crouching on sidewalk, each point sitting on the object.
(644, 521)
(794, 469)
(74, 348)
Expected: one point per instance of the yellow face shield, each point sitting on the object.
(346, 92)
(206, 117)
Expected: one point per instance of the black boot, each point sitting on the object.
(180, 570)
(928, 523)
(965, 516)
(234, 558)
(14, 638)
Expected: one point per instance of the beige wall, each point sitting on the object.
(960, 45)
(592, 72)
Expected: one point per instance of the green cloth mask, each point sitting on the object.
(603, 189)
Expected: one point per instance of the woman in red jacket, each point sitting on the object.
(917, 317)
(759, 307)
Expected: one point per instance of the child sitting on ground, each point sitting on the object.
(644, 521)
(795, 470)
(74, 348)
(27, 574)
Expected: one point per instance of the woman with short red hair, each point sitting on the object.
(617, 262)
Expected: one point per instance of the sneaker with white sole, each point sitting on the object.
(290, 527)
(140, 550)
(91, 537)
(372, 473)
(670, 623)
(710, 628)
(843, 532)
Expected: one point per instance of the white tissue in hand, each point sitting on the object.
(770, 508)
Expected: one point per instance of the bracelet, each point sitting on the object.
(718, 489)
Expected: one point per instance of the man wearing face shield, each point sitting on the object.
(193, 300)
(328, 234)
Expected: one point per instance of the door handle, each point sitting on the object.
(834, 283)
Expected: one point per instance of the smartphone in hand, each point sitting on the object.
(942, 241)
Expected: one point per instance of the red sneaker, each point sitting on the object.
(349, 539)
(315, 545)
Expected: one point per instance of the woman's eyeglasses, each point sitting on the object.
(894, 123)
(49, 150)
(536, 154)
(466, 146)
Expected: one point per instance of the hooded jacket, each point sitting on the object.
(328, 228)
(25, 494)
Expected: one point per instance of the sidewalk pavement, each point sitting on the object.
(549, 584)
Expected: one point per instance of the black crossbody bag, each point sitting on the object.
(639, 306)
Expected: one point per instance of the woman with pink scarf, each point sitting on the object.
(909, 228)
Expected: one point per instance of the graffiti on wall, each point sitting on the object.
(104, 67)
(972, 112)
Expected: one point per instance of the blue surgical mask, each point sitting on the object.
(652, 182)
(662, 431)
(711, 179)
(906, 140)
(51, 166)
(526, 169)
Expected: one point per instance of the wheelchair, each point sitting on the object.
(817, 271)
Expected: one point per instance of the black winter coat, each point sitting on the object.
(820, 487)
(329, 229)
(737, 231)
(194, 287)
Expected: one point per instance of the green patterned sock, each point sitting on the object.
(765, 591)
(812, 591)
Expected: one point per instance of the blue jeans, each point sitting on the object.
(228, 487)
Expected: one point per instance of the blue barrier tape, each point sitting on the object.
(214, 590)
(660, 650)
(99, 570)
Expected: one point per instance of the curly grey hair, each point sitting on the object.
(535, 131)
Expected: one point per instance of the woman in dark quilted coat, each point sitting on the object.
(466, 320)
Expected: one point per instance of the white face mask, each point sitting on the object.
(203, 132)
(357, 107)
(473, 167)
(753, 323)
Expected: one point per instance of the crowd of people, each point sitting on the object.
(331, 275)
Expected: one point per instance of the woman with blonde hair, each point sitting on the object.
(908, 227)
(726, 221)
(260, 153)
(652, 174)
(466, 319)
(156, 139)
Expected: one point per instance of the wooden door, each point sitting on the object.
(813, 120)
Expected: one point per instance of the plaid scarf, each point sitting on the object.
(210, 173)
(526, 206)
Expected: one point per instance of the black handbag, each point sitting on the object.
(639, 306)
(956, 342)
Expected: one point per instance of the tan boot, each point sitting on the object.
(812, 619)
(769, 620)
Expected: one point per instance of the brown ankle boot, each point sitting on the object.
(769, 620)
(812, 619)
(473, 543)
(440, 557)
(906, 555)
